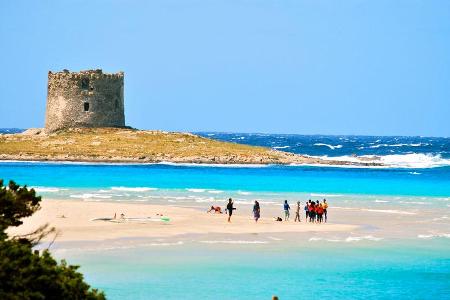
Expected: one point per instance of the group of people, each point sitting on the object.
(315, 212)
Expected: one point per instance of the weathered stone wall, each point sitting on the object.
(84, 99)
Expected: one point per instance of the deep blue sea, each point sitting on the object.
(395, 151)
(413, 262)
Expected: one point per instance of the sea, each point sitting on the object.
(411, 190)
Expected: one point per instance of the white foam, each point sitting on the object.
(381, 201)
(407, 161)
(196, 190)
(212, 191)
(205, 200)
(317, 239)
(281, 147)
(92, 200)
(234, 242)
(133, 189)
(90, 196)
(329, 146)
(360, 238)
(399, 145)
(415, 202)
(441, 218)
(244, 193)
(165, 244)
(415, 160)
(431, 236)
(243, 202)
(44, 189)
(349, 239)
(326, 195)
(215, 191)
(208, 165)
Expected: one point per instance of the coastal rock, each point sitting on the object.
(130, 145)
(33, 131)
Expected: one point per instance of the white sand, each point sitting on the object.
(77, 224)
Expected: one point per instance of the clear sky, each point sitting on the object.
(309, 67)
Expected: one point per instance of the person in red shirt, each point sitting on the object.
(319, 210)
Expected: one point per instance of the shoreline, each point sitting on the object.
(192, 164)
(132, 162)
(77, 224)
(308, 161)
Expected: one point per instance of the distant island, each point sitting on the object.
(126, 145)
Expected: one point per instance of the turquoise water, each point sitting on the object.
(389, 268)
(407, 270)
(391, 181)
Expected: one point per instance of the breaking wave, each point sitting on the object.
(329, 146)
(399, 145)
(412, 161)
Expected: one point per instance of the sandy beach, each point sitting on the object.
(77, 224)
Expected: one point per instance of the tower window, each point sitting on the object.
(85, 83)
(86, 106)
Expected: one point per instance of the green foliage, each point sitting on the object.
(16, 203)
(28, 274)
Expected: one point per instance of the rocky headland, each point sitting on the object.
(122, 145)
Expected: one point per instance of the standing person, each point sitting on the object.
(256, 211)
(316, 210)
(297, 212)
(230, 209)
(306, 208)
(325, 207)
(286, 210)
(312, 213)
(319, 210)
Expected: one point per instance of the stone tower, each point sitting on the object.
(84, 99)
